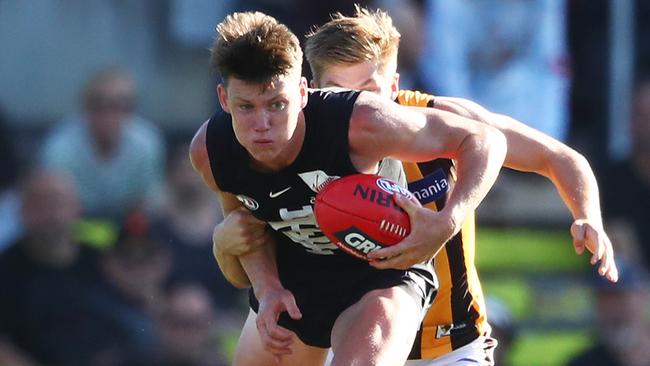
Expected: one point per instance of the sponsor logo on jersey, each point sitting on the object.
(250, 203)
(299, 225)
(278, 193)
(376, 196)
(430, 188)
(316, 180)
(445, 330)
(358, 240)
(392, 187)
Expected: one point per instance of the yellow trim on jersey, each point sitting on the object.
(413, 98)
(435, 339)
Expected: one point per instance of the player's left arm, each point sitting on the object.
(381, 128)
(530, 150)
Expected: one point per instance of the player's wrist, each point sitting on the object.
(453, 217)
(266, 285)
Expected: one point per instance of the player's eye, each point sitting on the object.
(278, 106)
(244, 107)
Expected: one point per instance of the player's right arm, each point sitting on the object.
(245, 253)
(239, 233)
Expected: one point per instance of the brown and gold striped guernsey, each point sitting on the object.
(457, 315)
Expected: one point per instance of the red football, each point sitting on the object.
(358, 213)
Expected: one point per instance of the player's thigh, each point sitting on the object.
(479, 352)
(378, 329)
(250, 350)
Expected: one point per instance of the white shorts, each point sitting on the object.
(479, 352)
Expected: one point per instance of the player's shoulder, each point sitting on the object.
(414, 98)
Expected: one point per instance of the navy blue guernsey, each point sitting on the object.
(285, 198)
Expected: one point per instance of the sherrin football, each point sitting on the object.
(359, 215)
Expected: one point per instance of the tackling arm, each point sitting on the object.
(237, 238)
(533, 151)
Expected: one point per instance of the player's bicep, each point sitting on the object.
(381, 128)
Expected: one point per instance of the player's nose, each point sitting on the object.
(262, 120)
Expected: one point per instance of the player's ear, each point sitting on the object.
(303, 92)
(394, 86)
(223, 97)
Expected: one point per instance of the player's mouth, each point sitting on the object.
(263, 141)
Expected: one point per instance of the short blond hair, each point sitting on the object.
(367, 35)
(254, 47)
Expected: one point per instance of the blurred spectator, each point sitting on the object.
(407, 17)
(136, 271)
(626, 184)
(588, 40)
(189, 329)
(503, 328)
(9, 216)
(115, 157)
(506, 55)
(187, 221)
(48, 310)
(623, 329)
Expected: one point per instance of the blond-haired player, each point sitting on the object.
(360, 52)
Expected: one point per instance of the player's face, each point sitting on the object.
(368, 76)
(266, 117)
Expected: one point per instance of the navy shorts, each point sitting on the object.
(321, 305)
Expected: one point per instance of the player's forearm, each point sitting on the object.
(574, 179)
(232, 269)
(261, 268)
(478, 164)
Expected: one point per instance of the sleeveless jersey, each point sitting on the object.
(457, 315)
(309, 265)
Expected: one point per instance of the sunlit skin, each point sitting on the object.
(371, 76)
(267, 118)
(368, 76)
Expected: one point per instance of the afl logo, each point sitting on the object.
(250, 203)
(391, 187)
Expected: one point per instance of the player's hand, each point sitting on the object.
(239, 233)
(275, 338)
(430, 230)
(592, 236)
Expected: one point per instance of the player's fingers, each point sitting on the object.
(275, 338)
(410, 206)
(291, 307)
(390, 251)
(398, 261)
(608, 269)
(578, 234)
(612, 274)
(594, 242)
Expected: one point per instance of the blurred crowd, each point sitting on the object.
(106, 231)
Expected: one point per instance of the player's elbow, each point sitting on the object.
(493, 142)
